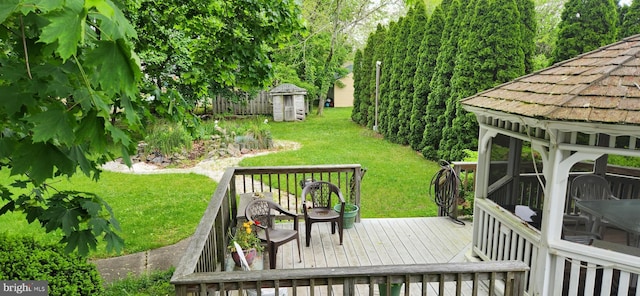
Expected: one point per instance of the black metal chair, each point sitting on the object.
(262, 212)
(317, 201)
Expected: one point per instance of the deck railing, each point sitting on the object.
(207, 248)
(477, 278)
(200, 271)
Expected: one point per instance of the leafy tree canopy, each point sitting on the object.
(74, 94)
(69, 92)
(205, 48)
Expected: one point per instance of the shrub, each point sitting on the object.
(167, 138)
(251, 133)
(154, 283)
(23, 258)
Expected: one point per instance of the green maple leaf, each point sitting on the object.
(23, 161)
(132, 117)
(58, 216)
(51, 217)
(114, 242)
(70, 220)
(13, 98)
(113, 24)
(54, 123)
(66, 27)
(98, 226)
(118, 135)
(92, 207)
(83, 240)
(102, 6)
(6, 8)
(10, 206)
(116, 67)
(91, 130)
(76, 153)
(43, 6)
(33, 213)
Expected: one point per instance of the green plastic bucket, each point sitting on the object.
(395, 289)
(350, 213)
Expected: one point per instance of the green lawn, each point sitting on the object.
(153, 210)
(397, 180)
(162, 209)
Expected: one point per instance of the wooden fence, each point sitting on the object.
(259, 105)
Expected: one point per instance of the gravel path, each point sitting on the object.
(213, 168)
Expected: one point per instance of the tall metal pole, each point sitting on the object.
(378, 63)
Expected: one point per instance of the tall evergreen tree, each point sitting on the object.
(631, 21)
(399, 45)
(491, 54)
(529, 28)
(585, 26)
(364, 77)
(377, 53)
(358, 98)
(428, 53)
(440, 87)
(386, 87)
(418, 24)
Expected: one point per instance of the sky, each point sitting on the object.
(625, 2)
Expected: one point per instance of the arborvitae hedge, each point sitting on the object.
(492, 53)
(22, 258)
(356, 113)
(631, 21)
(426, 64)
(529, 27)
(385, 75)
(585, 26)
(375, 54)
(394, 91)
(462, 52)
(417, 28)
(440, 87)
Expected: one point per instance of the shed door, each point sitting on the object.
(289, 110)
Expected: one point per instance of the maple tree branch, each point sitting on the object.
(24, 45)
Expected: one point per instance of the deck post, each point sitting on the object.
(348, 288)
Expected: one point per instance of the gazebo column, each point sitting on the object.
(556, 171)
(482, 171)
(601, 162)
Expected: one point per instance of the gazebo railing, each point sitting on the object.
(625, 184)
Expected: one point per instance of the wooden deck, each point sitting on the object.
(385, 241)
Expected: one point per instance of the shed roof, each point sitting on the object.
(288, 88)
(601, 86)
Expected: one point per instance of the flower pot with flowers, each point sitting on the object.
(249, 242)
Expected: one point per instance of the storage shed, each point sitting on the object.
(288, 102)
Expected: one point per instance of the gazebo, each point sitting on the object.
(537, 133)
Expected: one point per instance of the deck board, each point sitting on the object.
(380, 241)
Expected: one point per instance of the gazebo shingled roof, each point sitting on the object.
(599, 86)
